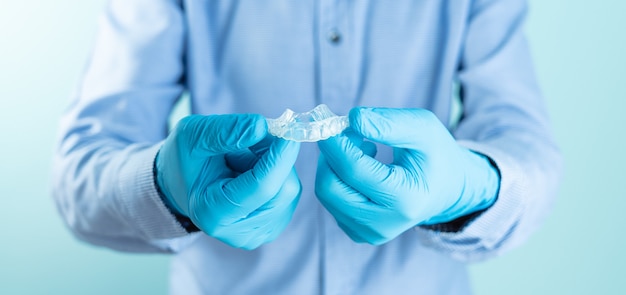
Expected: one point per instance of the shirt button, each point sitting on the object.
(334, 37)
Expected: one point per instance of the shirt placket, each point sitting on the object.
(335, 88)
(336, 80)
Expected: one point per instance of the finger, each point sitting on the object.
(402, 128)
(258, 185)
(266, 223)
(262, 146)
(269, 230)
(365, 174)
(218, 213)
(340, 217)
(369, 148)
(219, 134)
(332, 191)
(243, 160)
(289, 191)
(353, 235)
(354, 213)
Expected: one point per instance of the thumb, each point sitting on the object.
(219, 134)
(401, 128)
(258, 185)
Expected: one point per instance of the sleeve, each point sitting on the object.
(504, 118)
(103, 181)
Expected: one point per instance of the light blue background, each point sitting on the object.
(579, 48)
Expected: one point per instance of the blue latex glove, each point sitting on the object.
(431, 180)
(232, 181)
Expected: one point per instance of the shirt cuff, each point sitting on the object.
(139, 200)
(491, 228)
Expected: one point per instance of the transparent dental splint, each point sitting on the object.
(315, 125)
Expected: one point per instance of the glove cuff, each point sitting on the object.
(456, 225)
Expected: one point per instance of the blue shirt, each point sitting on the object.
(266, 56)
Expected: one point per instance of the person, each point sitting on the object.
(399, 203)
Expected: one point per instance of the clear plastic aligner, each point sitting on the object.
(315, 125)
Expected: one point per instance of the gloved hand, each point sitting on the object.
(431, 180)
(232, 181)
